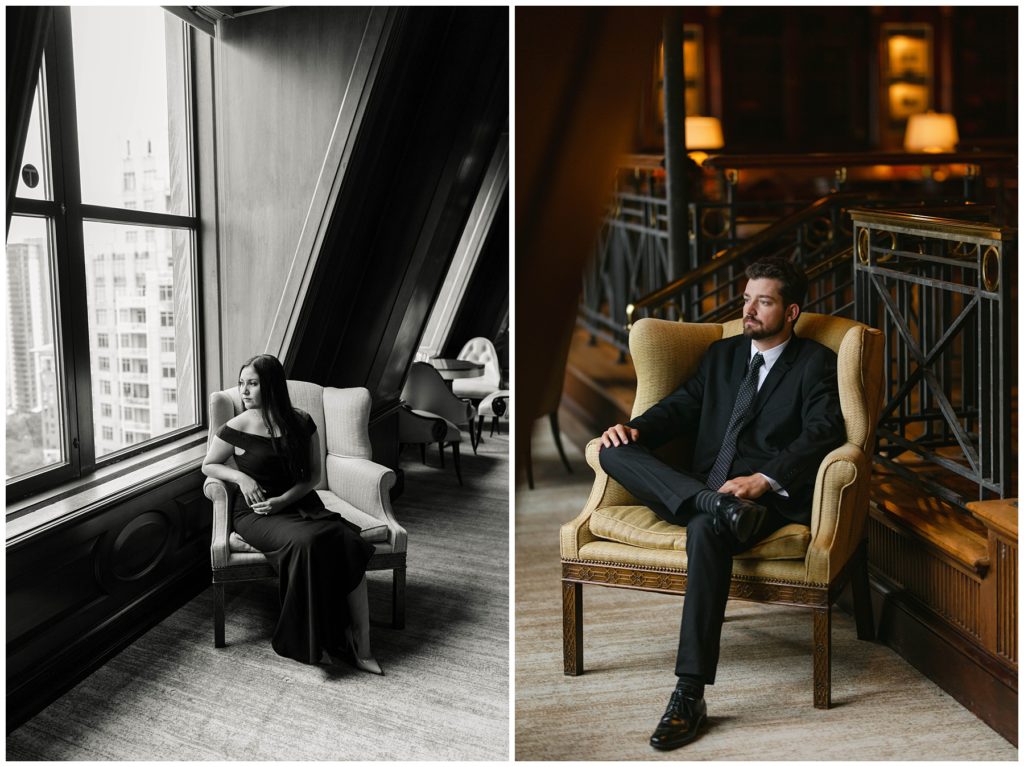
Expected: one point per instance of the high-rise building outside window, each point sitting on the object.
(114, 99)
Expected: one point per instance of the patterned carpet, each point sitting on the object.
(760, 707)
(172, 696)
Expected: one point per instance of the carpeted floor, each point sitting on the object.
(760, 707)
(172, 696)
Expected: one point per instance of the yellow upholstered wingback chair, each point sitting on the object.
(351, 484)
(616, 542)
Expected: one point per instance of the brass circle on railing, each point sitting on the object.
(990, 268)
(964, 250)
(732, 176)
(704, 223)
(892, 248)
(863, 251)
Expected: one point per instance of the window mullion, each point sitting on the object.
(74, 306)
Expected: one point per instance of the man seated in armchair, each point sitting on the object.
(765, 409)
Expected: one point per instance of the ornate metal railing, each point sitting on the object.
(939, 289)
(631, 274)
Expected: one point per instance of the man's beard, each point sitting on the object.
(759, 331)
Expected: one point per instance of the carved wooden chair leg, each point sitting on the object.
(455, 456)
(823, 658)
(440, 450)
(479, 429)
(423, 452)
(472, 437)
(557, 434)
(572, 627)
(218, 614)
(862, 596)
(494, 425)
(398, 599)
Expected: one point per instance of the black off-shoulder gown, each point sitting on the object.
(319, 556)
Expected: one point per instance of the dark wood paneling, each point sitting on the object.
(948, 658)
(81, 591)
(436, 113)
(280, 80)
(985, 72)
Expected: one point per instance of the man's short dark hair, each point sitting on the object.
(792, 280)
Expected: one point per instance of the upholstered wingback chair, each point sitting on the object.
(351, 485)
(617, 542)
(481, 351)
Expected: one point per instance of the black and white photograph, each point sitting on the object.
(258, 383)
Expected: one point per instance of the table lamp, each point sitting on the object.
(702, 133)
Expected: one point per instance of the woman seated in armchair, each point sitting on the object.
(319, 557)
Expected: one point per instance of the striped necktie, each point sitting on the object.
(744, 399)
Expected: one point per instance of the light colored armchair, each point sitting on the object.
(481, 351)
(352, 485)
(616, 542)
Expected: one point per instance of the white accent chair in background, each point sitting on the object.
(481, 351)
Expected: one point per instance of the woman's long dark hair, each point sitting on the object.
(277, 409)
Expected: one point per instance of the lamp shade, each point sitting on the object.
(704, 133)
(931, 132)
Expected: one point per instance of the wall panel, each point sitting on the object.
(82, 590)
(281, 77)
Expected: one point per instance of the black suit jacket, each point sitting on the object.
(796, 418)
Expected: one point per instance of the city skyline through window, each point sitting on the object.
(127, 125)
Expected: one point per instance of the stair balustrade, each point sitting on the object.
(939, 289)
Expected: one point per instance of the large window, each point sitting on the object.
(108, 154)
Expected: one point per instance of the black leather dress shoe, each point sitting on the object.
(743, 518)
(680, 723)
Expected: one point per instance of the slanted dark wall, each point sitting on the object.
(484, 307)
(438, 109)
(279, 80)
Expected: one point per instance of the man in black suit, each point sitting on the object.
(765, 408)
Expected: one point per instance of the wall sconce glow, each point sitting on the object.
(703, 133)
(931, 132)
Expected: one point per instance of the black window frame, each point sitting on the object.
(66, 215)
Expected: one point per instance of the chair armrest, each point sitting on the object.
(217, 491)
(366, 485)
(605, 492)
(414, 427)
(839, 511)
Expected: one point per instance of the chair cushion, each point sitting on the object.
(641, 527)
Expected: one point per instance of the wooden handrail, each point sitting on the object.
(933, 224)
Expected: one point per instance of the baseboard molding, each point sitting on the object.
(976, 680)
(32, 694)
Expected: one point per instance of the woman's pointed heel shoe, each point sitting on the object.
(369, 665)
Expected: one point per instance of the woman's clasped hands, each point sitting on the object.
(255, 496)
(268, 506)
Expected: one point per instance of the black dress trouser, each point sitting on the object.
(665, 491)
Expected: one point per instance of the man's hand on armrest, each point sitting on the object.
(619, 434)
